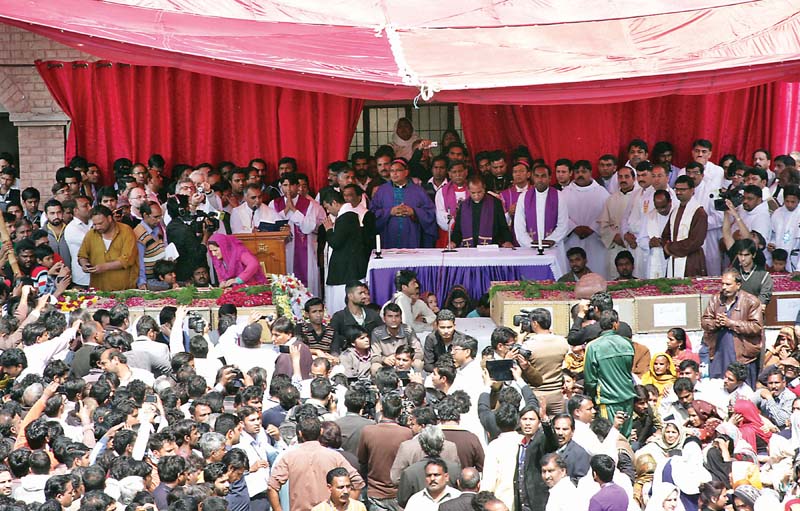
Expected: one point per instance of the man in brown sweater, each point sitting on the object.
(377, 449)
(470, 450)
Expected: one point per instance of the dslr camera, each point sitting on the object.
(734, 195)
(523, 321)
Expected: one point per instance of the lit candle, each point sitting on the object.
(378, 243)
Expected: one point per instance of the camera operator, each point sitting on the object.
(547, 352)
(505, 346)
(585, 328)
(188, 235)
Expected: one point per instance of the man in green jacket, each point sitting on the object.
(608, 371)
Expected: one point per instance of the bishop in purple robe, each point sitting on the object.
(480, 219)
(404, 214)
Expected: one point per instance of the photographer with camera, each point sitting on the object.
(504, 342)
(189, 236)
(585, 328)
(546, 355)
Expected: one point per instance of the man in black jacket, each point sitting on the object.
(599, 302)
(346, 239)
(192, 251)
(530, 492)
(353, 314)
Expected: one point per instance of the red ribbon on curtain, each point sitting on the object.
(121, 110)
(735, 122)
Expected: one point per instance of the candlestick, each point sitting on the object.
(539, 247)
(378, 247)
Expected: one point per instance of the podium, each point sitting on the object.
(269, 248)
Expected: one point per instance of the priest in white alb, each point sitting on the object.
(542, 209)
(685, 233)
(305, 216)
(585, 199)
(611, 218)
(652, 262)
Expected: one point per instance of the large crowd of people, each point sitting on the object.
(389, 406)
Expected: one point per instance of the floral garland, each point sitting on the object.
(289, 295)
(83, 301)
(534, 289)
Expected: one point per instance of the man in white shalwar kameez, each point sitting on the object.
(305, 216)
(701, 153)
(640, 203)
(653, 264)
(532, 217)
(786, 226)
(611, 219)
(585, 198)
(705, 195)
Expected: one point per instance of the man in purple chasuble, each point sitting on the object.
(405, 216)
(480, 219)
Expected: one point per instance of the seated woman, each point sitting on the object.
(662, 373)
(785, 345)
(749, 421)
(703, 421)
(431, 301)
(233, 263)
(668, 444)
(679, 347)
(458, 301)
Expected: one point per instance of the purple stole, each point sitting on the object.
(449, 196)
(300, 240)
(550, 213)
(486, 226)
(510, 195)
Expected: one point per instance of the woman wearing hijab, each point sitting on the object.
(233, 263)
(748, 420)
(703, 420)
(664, 498)
(403, 138)
(645, 466)
(662, 373)
(785, 345)
(719, 459)
(686, 472)
(665, 445)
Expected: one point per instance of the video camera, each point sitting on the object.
(523, 321)
(196, 322)
(734, 195)
(199, 220)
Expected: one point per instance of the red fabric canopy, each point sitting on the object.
(735, 122)
(119, 110)
(473, 51)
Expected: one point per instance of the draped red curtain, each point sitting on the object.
(735, 122)
(120, 110)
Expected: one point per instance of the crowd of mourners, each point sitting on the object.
(389, 406)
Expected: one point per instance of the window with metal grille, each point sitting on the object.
(376, 126)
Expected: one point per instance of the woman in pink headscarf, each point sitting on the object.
(747, 418)
(233, 263)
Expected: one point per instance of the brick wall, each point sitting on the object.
(40, 121)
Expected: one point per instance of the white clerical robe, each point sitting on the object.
(308, 224)
(585, 205)
(705, 195)
(786, 233)
(557, 236)
(244, 219)
(611, 225)
(638, 207)
(653, 263)
(713, 173)
(757, 220)
(441, 209)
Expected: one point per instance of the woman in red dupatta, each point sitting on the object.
(750, 423)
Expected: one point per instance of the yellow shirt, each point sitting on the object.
(122, 249)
